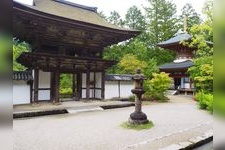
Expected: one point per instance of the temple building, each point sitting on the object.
(178, 68)
(65, 38)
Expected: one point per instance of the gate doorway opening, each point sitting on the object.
(70, 86)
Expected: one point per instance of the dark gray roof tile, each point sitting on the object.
(22, 75)
(180, 65)
(177, 39)
(118, 77)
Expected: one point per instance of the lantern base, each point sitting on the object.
(138, 118)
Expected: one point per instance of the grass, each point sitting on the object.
(127, 125)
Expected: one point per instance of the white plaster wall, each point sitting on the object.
(83, 80)
(83, 93)
(44, 82)
(182, 83)
(98, 93)
(112, 90)
(98, 84)
(98, 77)
(125, 88)
(21, 92)
(44, 79)
(43, 95)
(83, 85)
(186, 85)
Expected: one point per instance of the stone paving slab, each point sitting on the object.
(66, 105)
(43, 109)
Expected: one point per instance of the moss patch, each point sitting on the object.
(127, 125)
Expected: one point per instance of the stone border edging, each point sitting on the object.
(192, 142)
(177, 147)
(116, 106)
(39, 113)
(28, 114)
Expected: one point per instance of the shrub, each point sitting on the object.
(205, 100)
(157, 86)
(66, 91)
(131, 98)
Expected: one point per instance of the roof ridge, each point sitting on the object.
(94, 9)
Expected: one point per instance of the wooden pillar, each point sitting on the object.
(79, 84)
(103, 86)
(31, 91)
(36, 85)
(88, 84)
(119, 88)
(74, 85)
(94, 84)
(52, 87)
(56, 91)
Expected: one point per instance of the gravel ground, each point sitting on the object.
(100, 130)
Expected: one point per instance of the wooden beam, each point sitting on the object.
(103, 86)
(36, 85)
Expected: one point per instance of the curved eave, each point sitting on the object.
(34, 12)
(176, 66)
(172, 45)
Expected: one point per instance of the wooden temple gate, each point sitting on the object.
(66, 38)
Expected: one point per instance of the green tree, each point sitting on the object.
(101, 13)
(161, 21)
(161, 25)
(202, 35)
(115, 19)
(193, 18)
(18, 48)
(129, 63)
(202, 73)
(134, 18)
(116, 52)
(208, 12)
(151, 68)
(65, 84)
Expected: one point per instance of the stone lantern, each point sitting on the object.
(138, 117)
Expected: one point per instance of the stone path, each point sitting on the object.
(174, 122)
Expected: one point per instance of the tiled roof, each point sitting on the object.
(177, 39)
(73, 11)
(180, 65)
(22, 75)
(118, 77)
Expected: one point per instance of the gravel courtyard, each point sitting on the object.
(178, 119)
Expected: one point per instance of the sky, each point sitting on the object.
(122, 6)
